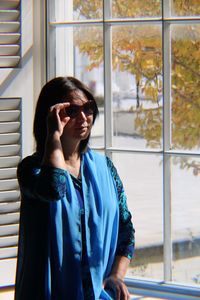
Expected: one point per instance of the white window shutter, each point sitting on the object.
(10, 153)
(10, 33)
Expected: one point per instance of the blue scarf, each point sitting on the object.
(101, 223)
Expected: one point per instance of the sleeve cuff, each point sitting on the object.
(52, 183)
(127, 251)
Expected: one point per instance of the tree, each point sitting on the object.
(137, 49)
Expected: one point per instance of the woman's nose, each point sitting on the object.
(82, 116)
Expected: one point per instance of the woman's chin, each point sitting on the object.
(82, 134)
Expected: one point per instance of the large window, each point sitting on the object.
(141, 58)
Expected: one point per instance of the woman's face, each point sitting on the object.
(80, 112)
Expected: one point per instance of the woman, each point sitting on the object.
(76, 236)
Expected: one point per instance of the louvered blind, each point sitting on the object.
(10, 140)
(9, 33)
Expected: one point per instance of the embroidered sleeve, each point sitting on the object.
(42, 182)
(126, 236)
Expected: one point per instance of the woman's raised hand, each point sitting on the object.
(57, 119)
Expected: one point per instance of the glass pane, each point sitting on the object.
(185, 219)
(185, 8)
(136, 8)
(137, 86)
(185, 86)
(142, 179)
(78, 9)
(79, 53)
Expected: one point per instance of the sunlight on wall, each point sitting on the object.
(7, 296)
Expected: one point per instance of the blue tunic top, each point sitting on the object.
(51, 251)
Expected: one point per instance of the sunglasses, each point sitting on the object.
(73, 110)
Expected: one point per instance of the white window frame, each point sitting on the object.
(166, 20)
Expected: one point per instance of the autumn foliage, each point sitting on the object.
(137, 49)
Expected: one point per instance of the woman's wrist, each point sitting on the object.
(120, 267)
(53, 136)
(53, 154)
(117, 275)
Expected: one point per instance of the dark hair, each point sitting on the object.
(56, 91)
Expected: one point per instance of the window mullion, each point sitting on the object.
(68, 64)
(167, 143)
(51, 40)
(39, 46)
(108, 131)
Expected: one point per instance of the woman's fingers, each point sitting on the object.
(118, 286)
(59, 106)
(62, 112)
(122, 292)
(57, 118)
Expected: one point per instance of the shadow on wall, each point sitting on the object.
(15, 71)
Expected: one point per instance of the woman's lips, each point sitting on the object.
(81, 127)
